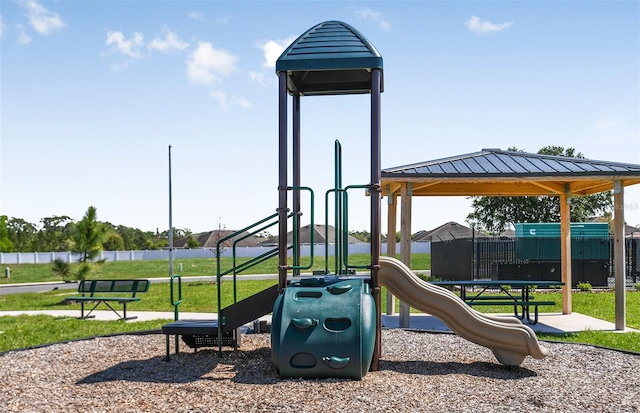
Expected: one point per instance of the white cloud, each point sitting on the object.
(220, 96)
(272, 49)
(206, 64)
(23, 37)
(41, 19)
(169, 44)
(196, 15)
(242, 102)
(262, 79)
(480, 27)
(374, 16)
(128, 47)
(225, 102)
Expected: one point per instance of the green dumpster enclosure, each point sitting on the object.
(323, 327)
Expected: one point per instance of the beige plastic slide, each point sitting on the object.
(509, 339)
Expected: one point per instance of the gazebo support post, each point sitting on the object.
(392, 214)
(405, 244)
(565, 251)
(619, 254)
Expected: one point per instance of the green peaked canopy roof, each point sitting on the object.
(328, 59)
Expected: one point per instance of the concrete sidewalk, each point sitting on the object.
(547, 322)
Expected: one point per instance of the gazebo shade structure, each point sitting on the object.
(495, 172)
(331, 58)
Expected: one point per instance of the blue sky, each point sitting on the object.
(94, 92)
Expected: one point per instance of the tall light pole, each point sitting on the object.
(170, 221)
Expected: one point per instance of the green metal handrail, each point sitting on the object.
(337, 241)
(296, 265)
(175, 303)
(241, 267)
(346, 226)
(338, 205)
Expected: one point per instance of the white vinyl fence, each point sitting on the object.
(245, 252)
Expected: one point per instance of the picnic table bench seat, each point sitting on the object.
(109, 291)
(524, 305)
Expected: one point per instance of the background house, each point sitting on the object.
(446, 232)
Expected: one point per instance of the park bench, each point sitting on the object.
(109, 291)
(516, 302)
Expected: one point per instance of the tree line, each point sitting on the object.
(490, 214)
(61, 233)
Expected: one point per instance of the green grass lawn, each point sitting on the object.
(26, 331)
(26, 273)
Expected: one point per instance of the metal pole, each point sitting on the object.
(296, 182)
(375, 208)
(170, 221)
(282, 181)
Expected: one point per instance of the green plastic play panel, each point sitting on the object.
(323, 327)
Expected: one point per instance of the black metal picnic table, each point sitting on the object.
(523, 300)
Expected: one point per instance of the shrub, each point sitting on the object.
(585, 286)
(83, 271)
(62, 269)
(427, 277)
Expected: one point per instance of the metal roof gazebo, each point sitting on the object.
(495, 172)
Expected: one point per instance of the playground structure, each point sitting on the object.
(329, 324)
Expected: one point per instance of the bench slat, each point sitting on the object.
(119, 299)
(516, 303)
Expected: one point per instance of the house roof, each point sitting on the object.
(210, 239)
(496, 172)
(445, 232)
(318, 235)
(330, 58)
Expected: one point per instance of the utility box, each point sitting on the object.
(541, 241)
(552, 230)
(323, 327)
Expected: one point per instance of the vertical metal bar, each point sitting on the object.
(337, 201)
(282, 180)
(326, 231)
(375, 208)
(345, 230)
(170, 221)
(296, 183)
